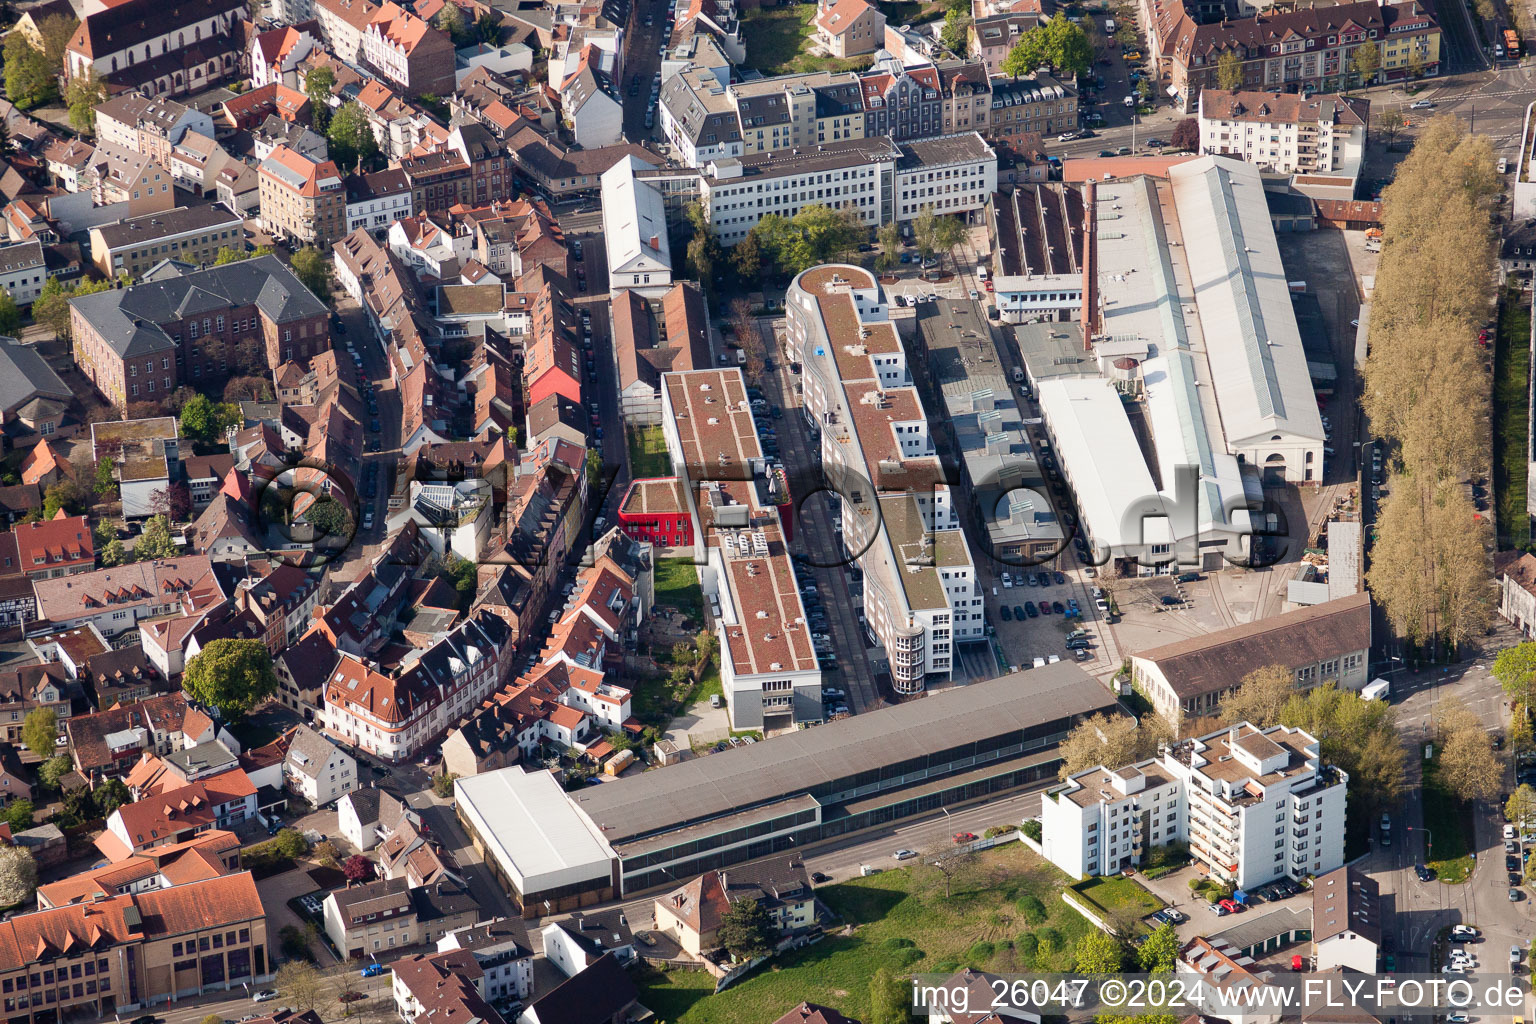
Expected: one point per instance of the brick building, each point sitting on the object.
(146, 340)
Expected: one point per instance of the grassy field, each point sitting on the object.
(1511, 372)
(677, 586)
(1007, 916)
(647, 453)
(1117, 891)
(779, 38)
(1449, 823)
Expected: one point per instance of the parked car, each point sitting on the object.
(965, 837)
(261, 996)
(1423, 872)
(1006, 613)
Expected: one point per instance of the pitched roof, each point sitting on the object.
(1346, 900)
(593, 996)
(1282, 108)
(25, 375)
(1214, 662)
(55, 541)
(132, 23)
(814, 1013)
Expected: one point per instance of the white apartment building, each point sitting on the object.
(317, 769)
(859, 174)
(1252, 804)
(23, 270)
(951, 174)
(897, 516)
(1287, 133)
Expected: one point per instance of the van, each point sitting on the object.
(1503, 165)
(715, 701)
(866, 870)
(981, 273)
(1018, 375)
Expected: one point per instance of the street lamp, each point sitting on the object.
(1429, 841)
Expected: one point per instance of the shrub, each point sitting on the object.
(999, 830)
(1027, 945)
(908, 957)
(1031, 828)
(980, 953)
(1032, 909)
(897, 942)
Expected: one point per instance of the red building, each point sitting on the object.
(656, 511)
(62, 546)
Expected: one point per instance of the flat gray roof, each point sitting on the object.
(742, 777)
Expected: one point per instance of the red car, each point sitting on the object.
(965, 837)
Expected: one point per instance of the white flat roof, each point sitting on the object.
(531, 828)
(1258, 367)
(1099, 455)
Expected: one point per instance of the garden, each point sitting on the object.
(1005, 914)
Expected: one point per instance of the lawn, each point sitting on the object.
(779, 38)
(1007, 916)
(647, 453)
(1449, 822)
(677, 586)
(1114, 892)
(1511, 372)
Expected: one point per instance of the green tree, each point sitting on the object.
(64, 496)
(1160, 953)
(10, 316)
(113, 553)
(231, 675)
(52, 770)
(1186, 135)
(111, 795)
(1229, 71)
(317, 86)
(745, 930)
(313, 271)
(1515, 669)
(155, 541)
(956, 34)
(463, 574)
(205, 421)
(51, 308)
(450, 20)
(1355, 735)
(1365, 62)
(18, 875)
(1098, 953)
(329, 516)
(229, 254)
(1260, 697)
(935, 232)
(39, 730)
(747, 257)
(56, 30)
(85, 93)
(353, 145)
(1520, 808)
(488, 28)
(890, 999)
(888, 237)
(19, 815)
(1469, 769)
(1058, 43)
(1415, 64)
(27, 81)
(442, 785)
(104, 480)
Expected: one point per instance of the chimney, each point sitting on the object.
(1090, 263)
(655, 241)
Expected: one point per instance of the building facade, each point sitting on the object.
(1253, 805)
(302, 199)
(1286, 133)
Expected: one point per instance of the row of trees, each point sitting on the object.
(1426, 386)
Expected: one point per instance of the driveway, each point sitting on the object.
(700, 725)
(275, 893)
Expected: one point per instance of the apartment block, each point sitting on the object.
(192, 234)
(1285, 132)
(898, 518)
(302, 198)
(1253, 805)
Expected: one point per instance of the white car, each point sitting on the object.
(264, 995)
(1509, 831)
(1514, 954)
(1422, 105)
(1007, 581)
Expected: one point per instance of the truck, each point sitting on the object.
(1377, 689)
(1511, 44)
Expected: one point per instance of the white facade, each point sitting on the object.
(378, 212)
(1253, 806)
(598, 121)
(531, 835)
(635, 231)
(899, 522)
(957, 174)
(23, 270)
(737, 193)
(320, 782)
(1330, 141)
(1051, 296)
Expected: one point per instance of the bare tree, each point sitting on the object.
(947, 863)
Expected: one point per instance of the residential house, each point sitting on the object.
(1516, 572)
(1346, 921)
(635, 231)
(1286, 133)
(178, 813)
(693, 912)
(275, 55)
(377, 199)
(23, 270)
(368, 814)
(848, 28)
(500, 950)
(34, 402)
(207, 855)
(592, 106)
(601, 994)
(379, 916)
(149, 125)
(409, 52)
(115, 599)
(110, 742)
(62, 546)
(302, 199)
